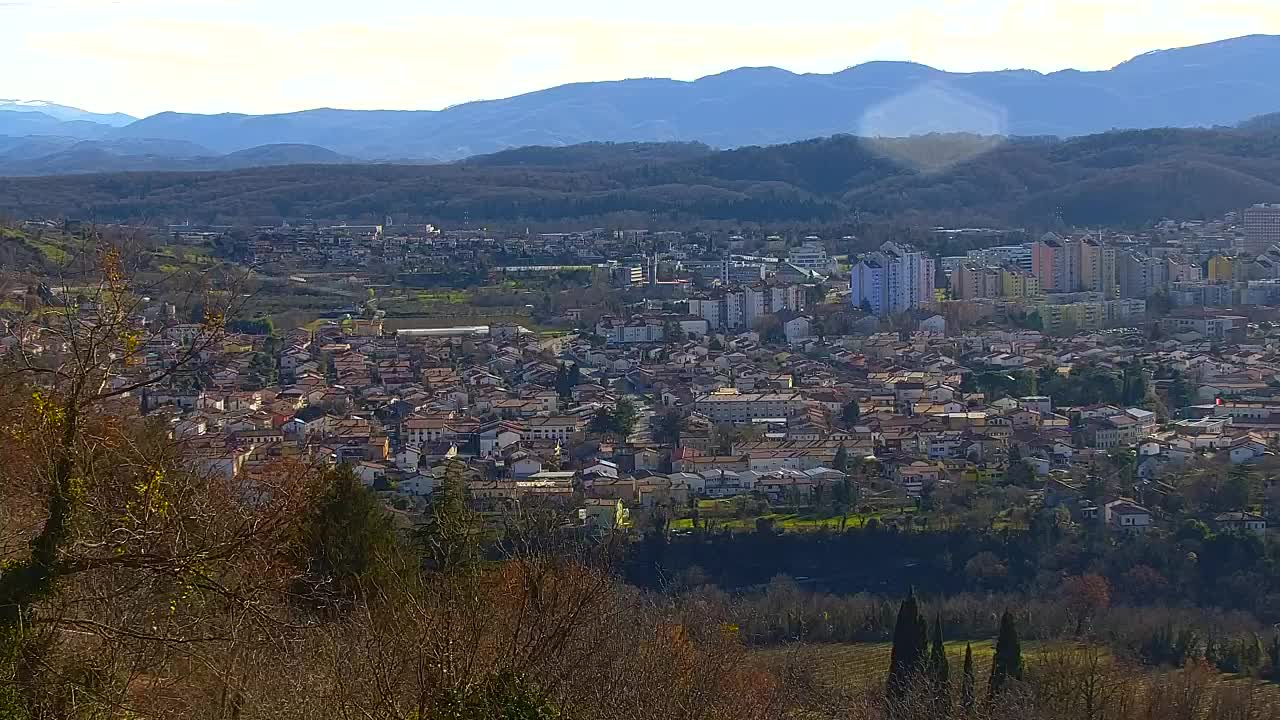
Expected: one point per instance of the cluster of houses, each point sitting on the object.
(887, 412)
(723, 408)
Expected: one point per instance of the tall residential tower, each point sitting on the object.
(893, 279)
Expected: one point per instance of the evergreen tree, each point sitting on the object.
(666, 427)
(448, 538)
(910, 647)
(601, 422)
(969, 684)
(850, 412)
(1094, 487)
(1018, 472)
(922, 642)
(1133, 384)
(563, 386)
(347, 542)
(1237, 491)
(1007, 663)
(939, 670)
(1274, 653)
(624, 417)
(841, 460)
(1181, 393)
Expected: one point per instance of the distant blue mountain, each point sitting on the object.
(63, 112)
(45, 155)
(1221, 83)
(21, 123)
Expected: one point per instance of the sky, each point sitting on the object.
(263, 56)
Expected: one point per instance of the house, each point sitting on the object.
(1112, 432)
(656, 490)
(1061, 491)
(603, 515)
(645, 459)
(1025, 419)
(935, 324)
(600, 470)
(523, 464)
(498, 435)
(559, 428)
(370, 473)
(409, 457)
(723, 483)
(1245, 449)
(914, 477)
(1241, 522)
(1042, 404)
(796, 327)
(1126, 515)
(1145, 419)
(782, 485)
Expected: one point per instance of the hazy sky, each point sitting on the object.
(144, 56)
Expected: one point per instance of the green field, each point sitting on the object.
(723, 514)
(443, 297)
(53, 253)
(170, 259)
(856, 666)
(798, 522)
(859, 666)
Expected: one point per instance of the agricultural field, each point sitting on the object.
(728, 514)
(856, 666)
(172, 259)
(860, 666)
(23, 251)
(48, 251)
(442, 297)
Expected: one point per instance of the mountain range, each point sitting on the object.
(65, 113)
(1221, 83)
(1121, 178)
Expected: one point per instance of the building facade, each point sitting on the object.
(811, 255)
(894, 279)
(1261, 228)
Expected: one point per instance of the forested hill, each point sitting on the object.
(1120, 178)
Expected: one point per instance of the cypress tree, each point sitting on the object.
(1007, 663)
(348, 543)
(969, 684)
(841, 460)
(939, 670)
(922, 642)
(448, 536)
(910, 645)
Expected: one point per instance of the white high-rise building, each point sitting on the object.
(1261, 228)
(867, 285)
(745, 306)
(893, 279)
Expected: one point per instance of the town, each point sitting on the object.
(572, 360)
(687, 382)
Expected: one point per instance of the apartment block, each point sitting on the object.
(1261, 228)
(894, 279)
(971, 281)
(743, 307)
(733, 407)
